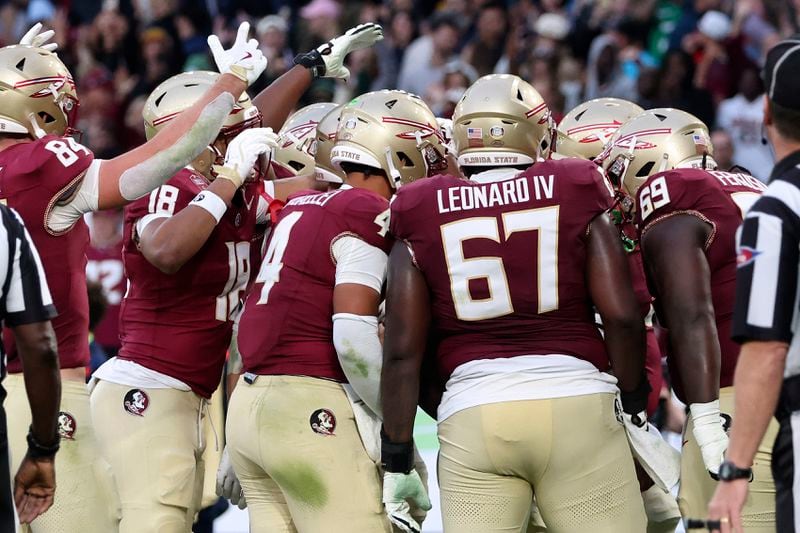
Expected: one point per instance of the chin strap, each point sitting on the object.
(393, 172)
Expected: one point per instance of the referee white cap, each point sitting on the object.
(780, 76)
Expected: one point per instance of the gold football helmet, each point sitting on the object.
(592, 124)
(502, 121)
(180, 92)
(326, 138)
(656, 140)
(297, 140)
(37, 93)
(391, 130)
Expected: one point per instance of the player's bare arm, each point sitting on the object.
(611, 290)
(677, 268)
(408, 315)
(278, 100)
(35, 484)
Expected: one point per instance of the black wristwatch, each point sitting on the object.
(730, 472)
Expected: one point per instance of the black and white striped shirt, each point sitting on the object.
(768, 258)
(24, 294)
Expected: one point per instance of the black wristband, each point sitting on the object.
(396, 457)
(635, 402)
(38, 450)
(312, 61)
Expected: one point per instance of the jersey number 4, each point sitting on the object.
(270, 272)
(544, 221)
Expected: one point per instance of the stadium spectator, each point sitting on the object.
(487, 46)
(604, 75)
(723, 148)
(742, 117)
(272, 36)
(399, 33)
(425, 59)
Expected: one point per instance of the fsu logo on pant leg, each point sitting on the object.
(136, 402)
(66, 426)
(323, 421)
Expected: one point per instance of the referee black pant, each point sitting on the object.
(7, 520)
(786, 472)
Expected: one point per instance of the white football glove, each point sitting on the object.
(397, 489)
(228, 485)
(242, 153)
(327, 61)
(710, 434)
(244, 59)
(33, 37)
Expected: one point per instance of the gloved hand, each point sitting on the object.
(328, 60)
(634, 403)
(33, 37)
(710, 434)
(228, 485)
(242, 153)
(398, 488)
(244, 59)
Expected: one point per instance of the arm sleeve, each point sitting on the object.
(83, 201)
(359, 262)
(27, 296)
(358, 346)
(767, 268)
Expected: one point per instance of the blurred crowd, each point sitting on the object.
(702, 56)
(699, 55)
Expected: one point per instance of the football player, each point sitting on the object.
(52, 180)
(687, 215)
(291, 428)
(591, 125)
(585, 131)
(324, 170)
(297, 141)
(502, 272)
(104, 266)
(187, 257)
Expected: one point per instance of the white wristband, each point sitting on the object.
(212, 203)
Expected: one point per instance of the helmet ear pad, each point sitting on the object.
(205, 160)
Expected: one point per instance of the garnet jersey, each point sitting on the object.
(180, 324)
(286, 326)
(505, 261)
(719, 199)
(35, 177)
(105, 267)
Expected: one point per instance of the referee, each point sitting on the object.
(26, 308)
(766, 316)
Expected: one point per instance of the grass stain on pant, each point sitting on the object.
(302, 482)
